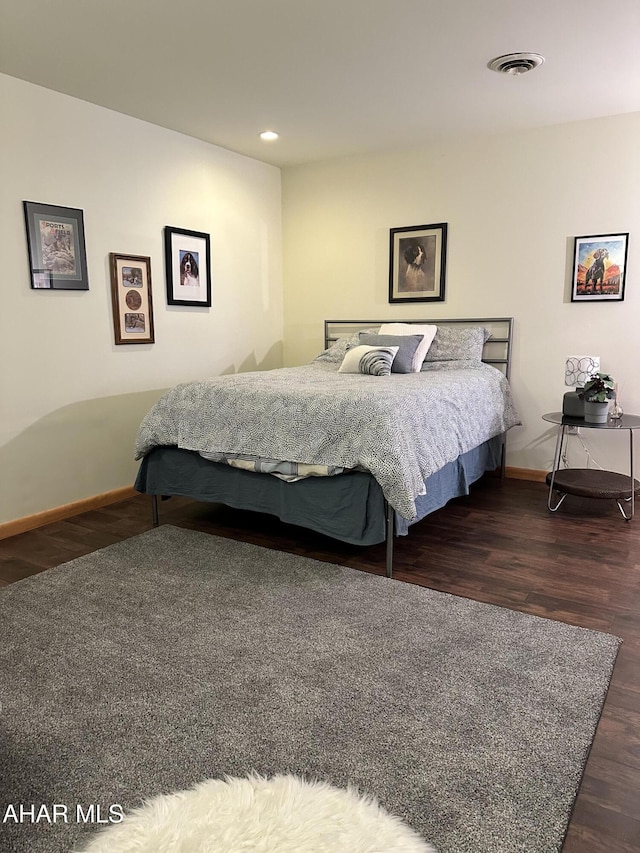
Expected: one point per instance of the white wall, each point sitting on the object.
(513, 204)
(70, 399)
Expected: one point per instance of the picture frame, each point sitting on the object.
(56, 246)
(188, 267)
(417, 263)
(131, 299)
(599, 268)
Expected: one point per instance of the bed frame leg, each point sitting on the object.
(154, 510)
(389, 539)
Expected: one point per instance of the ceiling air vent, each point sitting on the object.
(515, 63)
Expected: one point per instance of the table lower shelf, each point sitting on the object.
(593, 483)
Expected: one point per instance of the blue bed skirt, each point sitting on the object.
(348, 507)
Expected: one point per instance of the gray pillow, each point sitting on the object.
(452, 364)
(454, 343)
(335, 352)
(407, 346)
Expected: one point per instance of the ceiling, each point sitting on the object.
(333, 77)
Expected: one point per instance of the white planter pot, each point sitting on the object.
(596, 413)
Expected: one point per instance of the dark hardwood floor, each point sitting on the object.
(498, 545)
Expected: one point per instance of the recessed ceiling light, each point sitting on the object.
(268, 135)
(516, 64)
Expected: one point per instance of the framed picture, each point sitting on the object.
(131, 298)
(188, 267)
(57, 253)
(417, 260)
(599, 268)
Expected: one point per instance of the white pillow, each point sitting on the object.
(375, 361)
(429, 333)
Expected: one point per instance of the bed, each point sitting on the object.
(359, 458)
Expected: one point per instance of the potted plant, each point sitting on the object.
(597, 391)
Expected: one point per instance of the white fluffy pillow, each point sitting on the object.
(375, 361)
(428, 332)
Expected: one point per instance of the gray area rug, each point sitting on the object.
(177, 656)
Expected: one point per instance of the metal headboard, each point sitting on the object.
(497, 349)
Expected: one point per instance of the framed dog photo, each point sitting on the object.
(417, 262)
(188, 267)
(131, 298)
(57, 252)
(599, 268)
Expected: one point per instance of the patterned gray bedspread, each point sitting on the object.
(402, 428)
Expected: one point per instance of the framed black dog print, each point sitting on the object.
(417, 260)
(599, 268)
(188, 267)
(57, 254)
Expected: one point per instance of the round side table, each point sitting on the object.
(592, 482)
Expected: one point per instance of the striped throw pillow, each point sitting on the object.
(374, 361)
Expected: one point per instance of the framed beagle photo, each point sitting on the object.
(188, 267)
